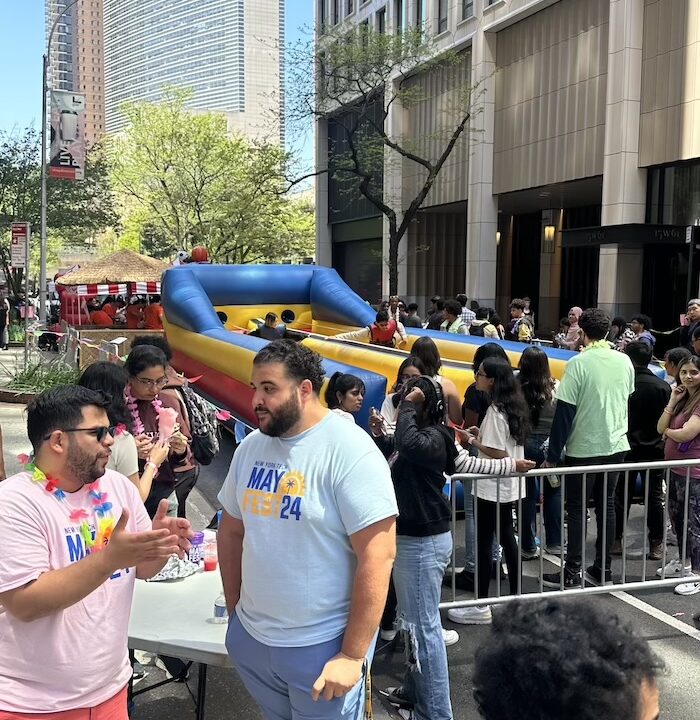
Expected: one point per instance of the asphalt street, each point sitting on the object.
(663, 618)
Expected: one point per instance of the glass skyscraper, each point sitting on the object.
(228, 52)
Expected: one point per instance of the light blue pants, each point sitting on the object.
(280, 678)
(418, 570)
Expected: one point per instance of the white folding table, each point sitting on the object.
(174, 618)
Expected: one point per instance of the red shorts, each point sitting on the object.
(112, 709)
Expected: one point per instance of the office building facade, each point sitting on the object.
(582, 172)
(227, 52)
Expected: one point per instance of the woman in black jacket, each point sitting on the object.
(420, 453)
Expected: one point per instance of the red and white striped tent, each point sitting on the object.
(132, 288)
(122, 273)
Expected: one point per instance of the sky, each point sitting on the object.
(22, 46)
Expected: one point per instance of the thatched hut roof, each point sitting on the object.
(124, 266)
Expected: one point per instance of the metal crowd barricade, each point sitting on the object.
(627, 472)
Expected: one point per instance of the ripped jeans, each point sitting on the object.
(418, 570)
(676, 511)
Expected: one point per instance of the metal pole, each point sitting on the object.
(44, 92)
(26, 297)
(691, 249)
(42, 254)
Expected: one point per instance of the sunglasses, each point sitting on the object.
(100, 433)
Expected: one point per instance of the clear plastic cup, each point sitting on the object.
(211, 556)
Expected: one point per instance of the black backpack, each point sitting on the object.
(477, 330)
(203, 424)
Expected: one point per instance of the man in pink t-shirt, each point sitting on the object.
(74, 538)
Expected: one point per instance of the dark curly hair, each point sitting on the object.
(550, 659)
(300, 362)
(595, 323)
(643, 320)
(507, 396)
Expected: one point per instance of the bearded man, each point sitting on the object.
(74, 537)
(306, 545)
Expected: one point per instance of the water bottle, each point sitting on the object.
(220, 611)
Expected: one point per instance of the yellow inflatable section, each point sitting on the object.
(448, 349)
(383, 361)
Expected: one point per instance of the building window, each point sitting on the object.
(364, 32)
(381, 21)
(673, 194)
(398, 16)
(322, 13)
(350, 7)
(442, 16)
(419, 13)
(467, 9)
(336, 12)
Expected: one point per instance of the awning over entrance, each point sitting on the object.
(631, 235)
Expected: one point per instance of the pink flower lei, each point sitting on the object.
(136, 423)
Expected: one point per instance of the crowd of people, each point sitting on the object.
(139, 313)
(316, 567)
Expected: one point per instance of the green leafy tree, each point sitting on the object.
(355, 76)
(76, 210)
(185, 181)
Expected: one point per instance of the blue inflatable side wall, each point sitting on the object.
(191, 292)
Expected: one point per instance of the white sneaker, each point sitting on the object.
(474, 615)
(450, 637)
(673, 569)
(405, 714)
(388, 635)
(689, 588)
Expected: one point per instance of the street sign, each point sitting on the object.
(689, 235)
(20, 234)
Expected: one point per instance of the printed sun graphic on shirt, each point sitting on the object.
(274, 491)
(292, 484)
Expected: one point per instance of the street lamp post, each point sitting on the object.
(44, 92)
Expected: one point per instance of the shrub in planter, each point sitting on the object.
(40, 376)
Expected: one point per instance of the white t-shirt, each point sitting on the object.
(344, 415)
(124, 458)
(390, 412)
(300, 499)
(75, 658)
(494, 433)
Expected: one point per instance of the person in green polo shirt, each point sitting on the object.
(590, 426)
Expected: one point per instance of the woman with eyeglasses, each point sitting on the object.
(146, 367)
(503, 433)
(111, 379)
(411, 367)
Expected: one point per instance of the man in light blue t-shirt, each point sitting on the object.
(306, 545)
(590, 424)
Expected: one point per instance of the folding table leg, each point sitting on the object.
(201, 691)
